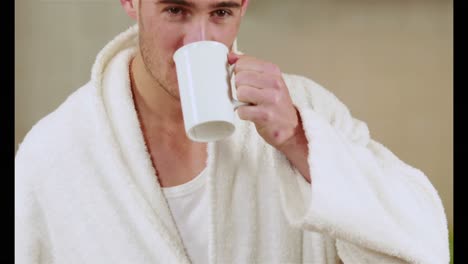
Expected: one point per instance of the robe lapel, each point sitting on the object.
(140, 177)
(232, 202)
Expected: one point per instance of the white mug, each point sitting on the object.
(208, 101)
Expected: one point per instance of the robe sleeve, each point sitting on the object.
(31, 239)
(377, 208)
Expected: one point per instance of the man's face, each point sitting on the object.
(167, 25)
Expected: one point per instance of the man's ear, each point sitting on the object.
(244, 5)
(130, 7)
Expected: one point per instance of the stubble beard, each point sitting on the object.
(149, 65)
(157, 76)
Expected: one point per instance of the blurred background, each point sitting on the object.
(390, 62)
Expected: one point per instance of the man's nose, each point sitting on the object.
(197, 31)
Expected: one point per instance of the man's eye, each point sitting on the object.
(222, 13)
(174, 10)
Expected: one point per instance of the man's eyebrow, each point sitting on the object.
(228, 4)
(177, 2)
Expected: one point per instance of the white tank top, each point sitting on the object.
(189, 206)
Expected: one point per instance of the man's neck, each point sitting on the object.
(161, 120)
(155, 106)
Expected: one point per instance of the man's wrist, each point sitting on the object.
(297, 141)
(296, 150)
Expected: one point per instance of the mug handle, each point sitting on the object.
(236, 103)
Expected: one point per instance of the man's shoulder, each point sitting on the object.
(59, 130)
(303, 89)
(300, 85)
(309, 94)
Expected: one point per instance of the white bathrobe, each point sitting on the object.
(86, 190)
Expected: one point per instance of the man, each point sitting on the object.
(111, 177)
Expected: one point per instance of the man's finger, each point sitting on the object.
(246, 63)
(258, 115)
(257, 80)
(252, 95)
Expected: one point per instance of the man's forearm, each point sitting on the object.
(296, 151)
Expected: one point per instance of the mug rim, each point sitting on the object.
(228, 124)
(196, 43)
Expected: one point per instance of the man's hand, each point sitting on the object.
(275, 117)
(260, 83)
